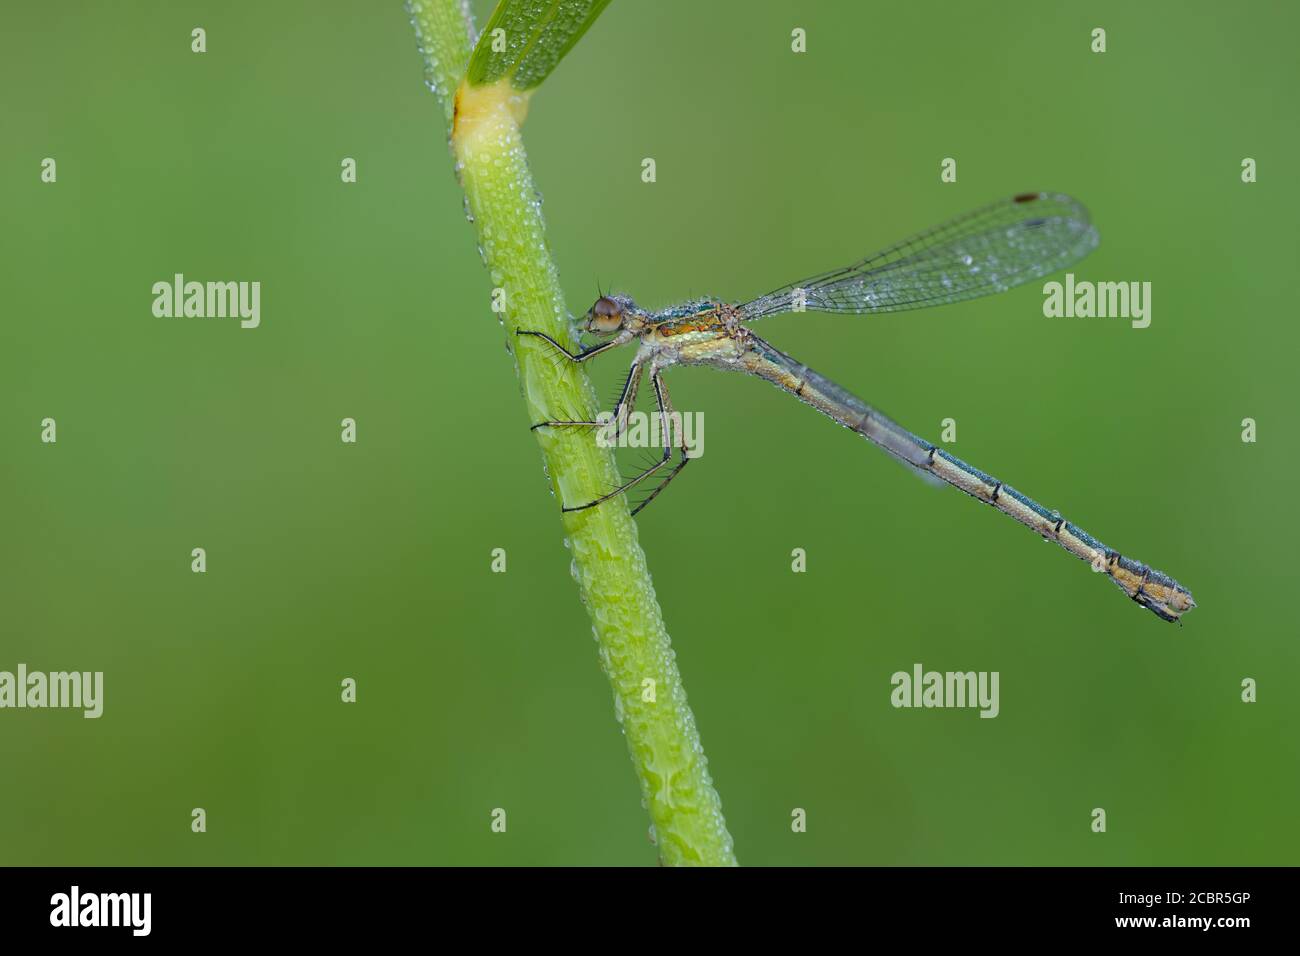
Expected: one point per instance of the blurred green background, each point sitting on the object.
(481, 690)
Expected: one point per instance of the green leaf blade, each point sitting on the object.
(537, 34)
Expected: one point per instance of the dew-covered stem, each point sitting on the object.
(607, 561)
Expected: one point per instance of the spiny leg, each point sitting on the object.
(633, 376)
(661, 399)
(584, 354)
(667, 413)
(557, 356)
(626, 400)
(621, 408)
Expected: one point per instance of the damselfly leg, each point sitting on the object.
(671, 436)
(626, 398)
(674, 437)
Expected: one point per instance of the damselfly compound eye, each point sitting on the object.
(605, 316)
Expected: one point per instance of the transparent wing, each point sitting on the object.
(989, 250)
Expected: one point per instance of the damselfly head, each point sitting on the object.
(609, 314)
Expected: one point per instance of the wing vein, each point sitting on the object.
(989, 250)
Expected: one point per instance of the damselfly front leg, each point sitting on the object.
(626, 398)
(583, 354)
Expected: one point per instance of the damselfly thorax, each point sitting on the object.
(992, 249)
(711, 334)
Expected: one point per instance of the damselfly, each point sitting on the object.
(989, 250)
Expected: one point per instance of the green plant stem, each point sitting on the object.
(608, 563)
